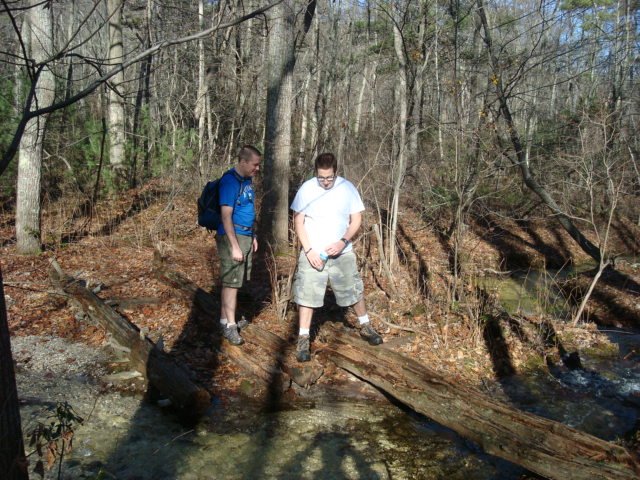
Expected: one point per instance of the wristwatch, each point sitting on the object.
(346, 242)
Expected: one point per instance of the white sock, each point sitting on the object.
(223, 321)
(364, 319)
(303, 331)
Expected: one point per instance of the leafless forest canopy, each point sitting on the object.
(443, 106)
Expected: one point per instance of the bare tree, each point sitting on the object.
(290, 22)
(116, 119)
(520, 158)
(39, 24)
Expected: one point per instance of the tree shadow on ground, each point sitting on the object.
(621, 287)
(422, 274)
(139, 202)
(557, 255)
(273, 401)
(198, 346)
(512, 247)
(335, 448)
(625, 234)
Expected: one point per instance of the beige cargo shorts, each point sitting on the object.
(310, 285)
(233, 273)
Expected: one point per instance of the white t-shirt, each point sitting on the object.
(327, 211)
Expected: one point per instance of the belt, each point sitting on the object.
(243, 228)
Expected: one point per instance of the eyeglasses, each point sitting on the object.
(326, 179)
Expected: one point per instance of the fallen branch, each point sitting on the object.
(398, 327)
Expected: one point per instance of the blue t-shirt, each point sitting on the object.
(244, 212)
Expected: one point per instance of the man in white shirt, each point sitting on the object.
(327, 214)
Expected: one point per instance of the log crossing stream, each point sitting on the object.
(125, 438)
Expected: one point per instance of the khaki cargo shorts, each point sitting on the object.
(232, 272)
(309, 285)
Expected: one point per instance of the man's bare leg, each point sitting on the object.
(366, 330)
(360, 308)
(229, 299)
(305, 315)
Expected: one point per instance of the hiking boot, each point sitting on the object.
(302, 350)
(242, 323)
(230, 332)
(370, 335)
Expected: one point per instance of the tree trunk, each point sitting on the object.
(283, 39)
(203, 92)
(116, 99)
(13, 463)
(415, 117)
(399, 168)
(540, 445)
(304, 122)
(525, 170)
(359, 104)
(39, 25)
(142, 96)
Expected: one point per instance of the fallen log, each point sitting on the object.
(548, 448)
(162, 373)
(279, 357)
(540, 445)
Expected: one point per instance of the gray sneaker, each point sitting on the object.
(242, 323)
(370, 335)
(302, 350)
(230, 332)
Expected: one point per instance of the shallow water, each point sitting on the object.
(602, 399)
(126, 439)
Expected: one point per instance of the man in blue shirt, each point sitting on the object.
(235, 237)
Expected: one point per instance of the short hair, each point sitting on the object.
(327, 160)
(247, 152)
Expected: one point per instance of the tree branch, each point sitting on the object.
(28, 114)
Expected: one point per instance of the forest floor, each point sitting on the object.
(419, 317)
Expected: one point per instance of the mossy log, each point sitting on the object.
(543, 446)
(162, 373)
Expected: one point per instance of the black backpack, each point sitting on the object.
(209, 215)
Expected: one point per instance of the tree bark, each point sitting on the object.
(13, 463)
(399, 169)
(116, 99)
(540, 445)
(203, 92)
(284, 36)
(40, 27)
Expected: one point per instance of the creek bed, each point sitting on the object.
(603, 398)
(128, 439)
(125, 438)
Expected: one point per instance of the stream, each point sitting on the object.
(602, 399)
(125, 438)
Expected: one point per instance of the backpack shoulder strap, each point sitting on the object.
(240, 180)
